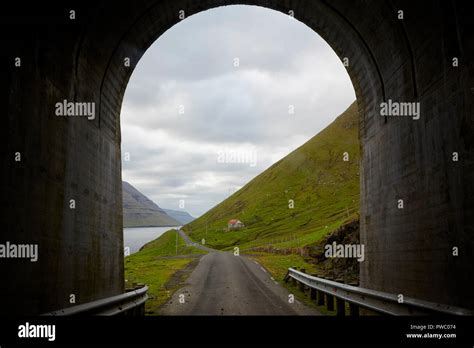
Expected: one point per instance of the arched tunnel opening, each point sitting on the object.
(245, 119)
(61, 176)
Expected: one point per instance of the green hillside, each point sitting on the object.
(324, 188)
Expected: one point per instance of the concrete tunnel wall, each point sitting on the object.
(409, 251)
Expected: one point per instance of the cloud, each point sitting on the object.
(283, 66)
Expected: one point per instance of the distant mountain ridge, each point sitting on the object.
(140, 211)
(182, 216)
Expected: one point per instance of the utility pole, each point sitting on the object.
(176, 242)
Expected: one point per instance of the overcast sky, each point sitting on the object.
(218, 88)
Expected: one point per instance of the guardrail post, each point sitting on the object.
(341, 307)
(353, 309)
(312, 294)
(330, 302)
(320, 298)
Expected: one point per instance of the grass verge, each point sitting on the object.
(162, 267)
(278, 266)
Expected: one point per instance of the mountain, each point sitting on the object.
(180, 215)
(140, 211)
(298, 200)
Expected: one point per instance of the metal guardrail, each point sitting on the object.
(131, 303)
(325, 291)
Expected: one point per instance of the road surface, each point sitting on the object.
(225, 284)
(189, 242)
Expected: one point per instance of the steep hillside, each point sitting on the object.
(140, 211)
(323, 188)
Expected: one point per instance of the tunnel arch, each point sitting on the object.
(390, 58)
(369, 69)
(145, 27)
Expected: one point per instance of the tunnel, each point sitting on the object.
(61, 177)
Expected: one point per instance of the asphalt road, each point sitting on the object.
(191, 243)
(225, 284)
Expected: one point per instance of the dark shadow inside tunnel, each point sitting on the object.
(61, 176)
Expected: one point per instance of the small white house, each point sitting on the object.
(235, 224)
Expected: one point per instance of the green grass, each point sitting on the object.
(324, 188)
(155, 273)
(156, 265)
(278, 265)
